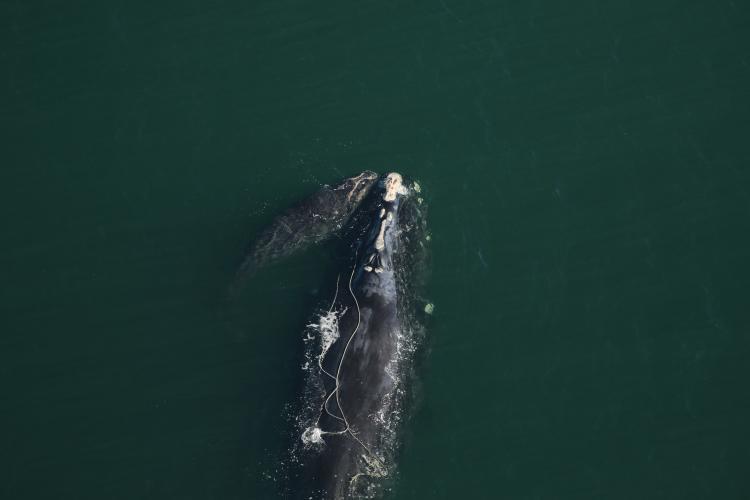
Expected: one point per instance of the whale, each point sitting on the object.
(307, 223)
(348, 438)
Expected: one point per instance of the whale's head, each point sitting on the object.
(384, 227)
(356, 188)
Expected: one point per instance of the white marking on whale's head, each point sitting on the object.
(394, 186)
(380, 239)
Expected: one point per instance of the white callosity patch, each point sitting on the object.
(380, 240)
(394, 186)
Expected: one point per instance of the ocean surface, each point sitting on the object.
(587, 169)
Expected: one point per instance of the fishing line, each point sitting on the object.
(336, 391)
(341, 361)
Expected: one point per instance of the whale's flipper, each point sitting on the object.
(305, 224)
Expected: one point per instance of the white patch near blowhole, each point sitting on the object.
(394, 186)
(380, 239)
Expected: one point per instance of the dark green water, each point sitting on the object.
(587, 171)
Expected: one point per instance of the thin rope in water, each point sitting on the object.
(336, 294)
(338, 374)
(322, 354)
(341, 361)
(346, 347)
(325, 407)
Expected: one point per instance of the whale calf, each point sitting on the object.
(308, 223)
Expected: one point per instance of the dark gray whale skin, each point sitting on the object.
(305, 224)
(349, 463)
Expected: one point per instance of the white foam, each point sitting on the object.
(312, 435)
(328, 328)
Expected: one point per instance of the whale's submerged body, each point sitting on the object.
(360, 356)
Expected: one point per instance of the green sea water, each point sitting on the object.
(586, 165)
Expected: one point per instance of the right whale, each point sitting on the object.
(362, 367)
(305, 224)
